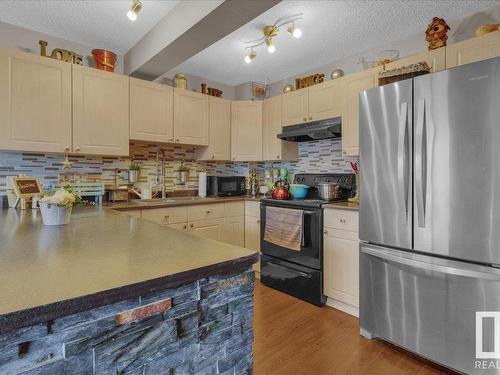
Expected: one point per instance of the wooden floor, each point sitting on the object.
(293, 337)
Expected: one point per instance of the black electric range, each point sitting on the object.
(300, 273)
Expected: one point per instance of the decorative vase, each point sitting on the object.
(183, 177)
(133, 176)
(55, 215)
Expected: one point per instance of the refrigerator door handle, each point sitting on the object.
(448, 267)
(403, 159)
(420, 162)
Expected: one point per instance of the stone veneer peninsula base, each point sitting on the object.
(203, 327)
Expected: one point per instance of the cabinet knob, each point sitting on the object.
(192, 225)
(325, 232)
(177, 140)
(77, 149)
(166, 217)
(207, 212)
(171, 140)
(234, 158)
(184, 227)
(258, 221)
(305, 118)
(310, 118)
(277, 156)
(344, 153)
(66, 148)
(213, 157)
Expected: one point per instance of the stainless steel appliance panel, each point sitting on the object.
(385, 164)
(456, 163)
(427, 305)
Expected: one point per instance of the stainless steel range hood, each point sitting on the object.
(312, 131)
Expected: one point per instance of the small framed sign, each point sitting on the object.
(27, 187)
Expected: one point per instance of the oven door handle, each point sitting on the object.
(301, 273)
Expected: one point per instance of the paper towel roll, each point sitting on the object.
(202, 184)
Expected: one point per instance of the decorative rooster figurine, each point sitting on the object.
(355, 169)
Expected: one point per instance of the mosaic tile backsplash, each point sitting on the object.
(324, 156)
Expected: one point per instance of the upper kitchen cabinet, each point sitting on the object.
(325, 100)
(435, 58)
(295, 107)
(151, 111)
(191, 117)
(471, 50)
(246, 130)
(35, 103)
(100, 112)
(273, 147)
(220, 131)
(353, 85)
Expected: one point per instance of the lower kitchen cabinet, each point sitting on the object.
(252, 228)
(233, 231)
(211, 228)
(341, 259)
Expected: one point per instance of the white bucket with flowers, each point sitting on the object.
(56, 205)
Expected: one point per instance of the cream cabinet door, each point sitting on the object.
(219, 147)
(246, 130)
(341, 266)
(191, 116)
(100, 112)
(233, 231)
(35, 103)
(273, 147)
(325, 100)
(435, 58)
(295, 107)
(354, 84)
(151, 111)
(475, 49)
(211, 229)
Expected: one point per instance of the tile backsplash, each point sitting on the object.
(323, 156)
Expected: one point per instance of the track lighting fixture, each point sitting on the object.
(134, 10)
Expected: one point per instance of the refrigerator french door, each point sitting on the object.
(430, 211)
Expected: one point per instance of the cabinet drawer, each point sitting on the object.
(341, 219)
(166, 216)
(342, 234)
(205, 211)
(179, 226)
(252, 209)
(234, 208)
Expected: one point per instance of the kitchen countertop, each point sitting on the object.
(343, 205)
(102, 256)
(138, 204)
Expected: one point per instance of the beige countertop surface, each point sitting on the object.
(137, 204)
(100, 250)
(343, 205)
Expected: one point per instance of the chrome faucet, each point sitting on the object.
(160, 171)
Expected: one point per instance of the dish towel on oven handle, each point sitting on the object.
(284, 227)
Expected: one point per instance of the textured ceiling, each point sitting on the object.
(100, 24)
(331, 30)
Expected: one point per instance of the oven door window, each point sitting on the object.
(310, 254)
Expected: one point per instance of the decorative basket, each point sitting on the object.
(55, 215)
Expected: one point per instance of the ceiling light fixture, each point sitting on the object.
(134, 10)
(295, 31)
(250, 56)
(271, 31)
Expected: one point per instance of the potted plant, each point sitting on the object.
(134, 170)
(57, 204)
(183, 171)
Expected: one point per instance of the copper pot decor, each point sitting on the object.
(104, 60)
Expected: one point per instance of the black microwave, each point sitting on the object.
(225, 186)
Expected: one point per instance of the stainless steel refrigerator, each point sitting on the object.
(430, 216)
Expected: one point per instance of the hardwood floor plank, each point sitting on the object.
(293, 337)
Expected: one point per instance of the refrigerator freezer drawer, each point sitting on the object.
(428, 305)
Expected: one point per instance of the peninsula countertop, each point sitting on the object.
(100, 257)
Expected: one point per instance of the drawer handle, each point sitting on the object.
(141, 312)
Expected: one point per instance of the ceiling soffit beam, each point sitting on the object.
(221, 21)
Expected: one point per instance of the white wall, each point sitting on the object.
(27, 40)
